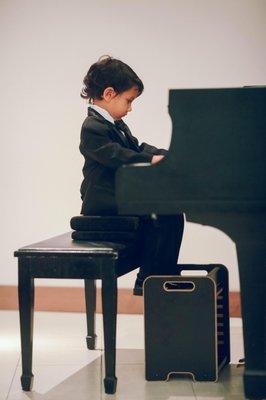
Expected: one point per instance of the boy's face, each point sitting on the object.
(119, 105)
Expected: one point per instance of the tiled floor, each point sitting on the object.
(64, 368)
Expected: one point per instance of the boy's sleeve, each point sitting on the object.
(98, 146)
(149, 148)
(152, 149)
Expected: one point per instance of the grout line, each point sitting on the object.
(193, 390)
(13, 377)
(102, 394)
(101, 386)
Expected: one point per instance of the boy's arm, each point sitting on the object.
(98, 146)
(152, 149)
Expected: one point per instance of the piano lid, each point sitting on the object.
(216, 159)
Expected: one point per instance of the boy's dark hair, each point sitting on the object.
(108, 71)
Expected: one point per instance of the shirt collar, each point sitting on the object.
(102, 111)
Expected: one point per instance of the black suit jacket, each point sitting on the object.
(105, 148)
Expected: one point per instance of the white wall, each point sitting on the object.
(46, 49)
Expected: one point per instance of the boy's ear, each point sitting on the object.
(108, 94)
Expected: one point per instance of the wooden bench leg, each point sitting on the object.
(26, 309)
(109, 304)
(90, 298)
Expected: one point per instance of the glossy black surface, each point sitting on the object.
(215, 173)
(64, 244)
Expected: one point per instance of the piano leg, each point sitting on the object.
(251, 250)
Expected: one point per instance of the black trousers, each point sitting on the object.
(160, 241)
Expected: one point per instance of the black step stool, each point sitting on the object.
(187, 324)
(62, 257)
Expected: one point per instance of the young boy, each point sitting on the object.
(110, 87)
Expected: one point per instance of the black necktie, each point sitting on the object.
(120, 124)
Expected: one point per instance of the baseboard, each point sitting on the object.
(71, 299)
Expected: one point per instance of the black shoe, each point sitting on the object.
(137, 291)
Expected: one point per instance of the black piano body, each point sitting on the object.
(215, 173)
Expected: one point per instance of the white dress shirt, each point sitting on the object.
(102, 111)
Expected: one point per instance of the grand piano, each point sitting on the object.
(215, 173)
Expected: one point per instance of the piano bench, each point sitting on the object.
(62, 257)
(188, 330)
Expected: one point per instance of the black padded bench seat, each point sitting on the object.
(107, 228)
(62, 257)
(104, 223)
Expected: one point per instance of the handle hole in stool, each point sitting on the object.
(179, 286)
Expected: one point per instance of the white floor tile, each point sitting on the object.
(9, 349)
(65, 369)
(66, 328)
(8, 365)
(132, 385)
(181, 398)
(67, 356)
(130, 331)
(61, 382)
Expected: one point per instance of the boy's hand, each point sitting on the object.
(156, 159)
